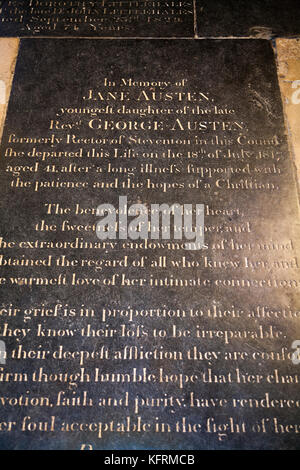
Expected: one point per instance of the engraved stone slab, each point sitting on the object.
(259, 19)
(127, 342)
(100, 18)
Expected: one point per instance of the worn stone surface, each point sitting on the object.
(100, 18)
(164, 346)
(243, 18)
(8, 55)
(144, 18)
(288, 56)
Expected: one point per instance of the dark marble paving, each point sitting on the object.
(243, 18)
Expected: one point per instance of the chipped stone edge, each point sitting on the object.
(9, 49)
(287, 50)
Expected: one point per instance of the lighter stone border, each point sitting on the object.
(9, 48)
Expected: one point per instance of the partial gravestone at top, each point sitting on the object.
(97, 18)
(248, 18)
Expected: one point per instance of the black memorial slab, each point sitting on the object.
(138, 343)
(100, 18)
(257, 18)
